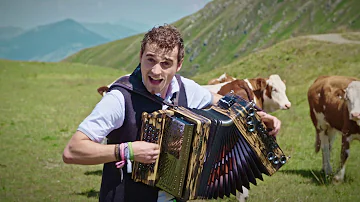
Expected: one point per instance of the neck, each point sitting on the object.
(163, 93)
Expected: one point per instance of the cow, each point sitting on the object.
(267, 93)
(102, 90)
(222, 79)
(334, 103)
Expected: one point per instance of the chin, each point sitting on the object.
(153, 91)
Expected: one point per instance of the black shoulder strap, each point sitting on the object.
(176, 95)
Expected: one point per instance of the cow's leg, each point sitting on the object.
(325, 147)
(241, 197)
(331, 133)
(345, 149)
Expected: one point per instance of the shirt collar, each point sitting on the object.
(173, 88)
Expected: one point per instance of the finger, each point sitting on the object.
(274, 132)
(153, 159)
(277, 125)
(155, 146)
(155, 152)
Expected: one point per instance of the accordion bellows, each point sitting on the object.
(208, 153)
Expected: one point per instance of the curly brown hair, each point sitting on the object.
(166, 37)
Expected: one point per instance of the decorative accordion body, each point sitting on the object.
(208, 153)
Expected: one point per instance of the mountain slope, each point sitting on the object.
(298, 60)
(8, 32)
(59, 39)
(225, 30)
(110, 31)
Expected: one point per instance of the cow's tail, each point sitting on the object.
(317, 143)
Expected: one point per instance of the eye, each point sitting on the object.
(165, 64)
(274, 90)
(151, 60)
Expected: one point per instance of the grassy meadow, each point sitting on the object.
(43, 103)
(41, 107)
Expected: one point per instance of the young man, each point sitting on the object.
(118, 116)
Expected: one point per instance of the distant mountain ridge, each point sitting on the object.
(51, 42)
(110, 31)
(8, 32)
(226, 30)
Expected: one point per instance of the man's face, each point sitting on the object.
(158, 68)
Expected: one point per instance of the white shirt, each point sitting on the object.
(109, 113)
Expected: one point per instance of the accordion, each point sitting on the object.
(208, 153)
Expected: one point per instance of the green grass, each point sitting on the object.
(300, 61)
(43, 103)
(355, 36)
(41, 106)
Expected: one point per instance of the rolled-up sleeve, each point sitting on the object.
(107, 115)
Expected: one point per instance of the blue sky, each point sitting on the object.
(30, 13)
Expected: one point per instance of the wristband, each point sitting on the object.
(131, 152)
(121, 163)
(126, 151)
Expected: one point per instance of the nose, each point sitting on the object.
(288, 105)
(156, 69)
(355, 115)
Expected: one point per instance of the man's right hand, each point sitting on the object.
(145, 152)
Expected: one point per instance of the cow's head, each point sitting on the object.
(275, 94)
(102, 90)
(352, 96)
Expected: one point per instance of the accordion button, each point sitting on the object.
(276, 160)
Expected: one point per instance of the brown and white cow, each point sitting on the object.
(103, 89)
(267, 93)
(335, 106)
(222, 79)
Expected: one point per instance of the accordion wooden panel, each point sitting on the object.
(208, 153)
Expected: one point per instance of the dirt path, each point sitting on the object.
(334, 38)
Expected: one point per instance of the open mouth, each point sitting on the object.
(155, 81)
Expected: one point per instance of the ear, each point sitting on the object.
(140, 55)
(261, 83)
(345, 94)
(340, 93)
(179, 65)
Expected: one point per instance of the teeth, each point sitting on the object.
(155, 79)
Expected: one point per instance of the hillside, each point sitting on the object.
(225, 30)
(298, 60)
(45, 102)
(51, 42)
(110, 31)
(8, 32)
